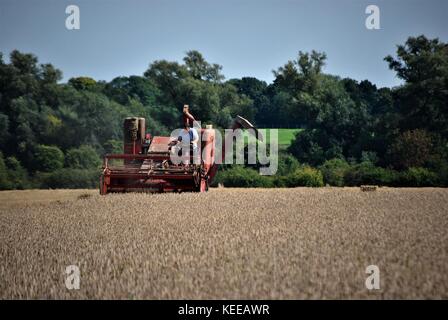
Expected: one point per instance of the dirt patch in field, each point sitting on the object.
(227, 243)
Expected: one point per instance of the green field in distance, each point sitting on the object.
(285, 136)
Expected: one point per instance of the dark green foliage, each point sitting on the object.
(303, 177)
(200, 69)
(113, 146)
(83, 83)
(368, 173)
(412, 148)
(69, 178)
(198, 84)
(4, 128)
(123, 89)
(418, 177)
(307, 149)
(239, 176)
(84, 157)
(12, 174)
(396, 137)
(334, 171)
(423, 64)
(4, 179)
(48, 158)
(287, 164)
(17, 175)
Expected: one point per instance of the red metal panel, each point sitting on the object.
(159, 156)
(160, 144)
(152, 176)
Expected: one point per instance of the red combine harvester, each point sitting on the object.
(146, 164)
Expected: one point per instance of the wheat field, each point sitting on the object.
(225, 244)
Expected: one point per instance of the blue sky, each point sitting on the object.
(247, 37)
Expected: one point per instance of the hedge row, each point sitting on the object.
(239, 176)
(334, 172)
(337, 172)
(68, 178)
(81, 169)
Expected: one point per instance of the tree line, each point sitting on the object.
(53, 134)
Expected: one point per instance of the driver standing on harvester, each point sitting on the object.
(188, 137)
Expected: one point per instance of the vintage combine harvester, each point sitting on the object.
(146, 165)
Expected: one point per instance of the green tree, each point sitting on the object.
(412, 148)
(255, 90)
(84, 157)
(287, 164)
(419, 177)
(333, 171)
(422, 101)
(167, 76)
(17, 175)
(302, 73)
(368, 173)
(123, 89)
(4, 129)
(18, 78)
(48, 158)
(5, 184)
(200, 69)
(70, 178)
(83, 83)
(113, 146)
(305, 177)
(335, 126)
